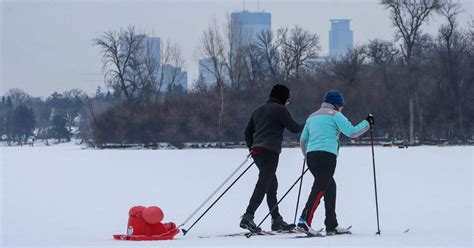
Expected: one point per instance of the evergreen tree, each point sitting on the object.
(3, 117)
(58, 129)
(3, 125)
(9, 122)
(108, 96)
(98, 93)
(9, 102)
(23, 123)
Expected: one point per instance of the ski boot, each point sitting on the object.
(278, 224)
(247, 223)
(304, 227)
(338, 230)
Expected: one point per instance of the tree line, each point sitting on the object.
(420, 86)
(24, 118)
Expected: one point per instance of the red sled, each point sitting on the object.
(145, 224)
(166, 236)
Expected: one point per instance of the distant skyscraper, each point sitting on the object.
(175, 76)
(183, 80)
(207, 72)
(245, 25)
(152, 46)
(340, 37)
(245, 28)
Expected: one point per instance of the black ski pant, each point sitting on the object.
(322, 165)
(267, 184)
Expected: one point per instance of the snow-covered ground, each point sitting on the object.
(64, 196)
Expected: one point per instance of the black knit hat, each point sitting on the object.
(281, 93)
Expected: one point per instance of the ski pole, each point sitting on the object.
(218, 198)
(299, 192)
(375, 178)
(215, 192)
(248, 235)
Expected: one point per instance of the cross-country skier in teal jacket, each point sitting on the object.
(320, 145)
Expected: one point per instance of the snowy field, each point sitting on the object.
(64, 196)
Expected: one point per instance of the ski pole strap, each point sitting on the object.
(217, 190)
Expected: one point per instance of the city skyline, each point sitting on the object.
(246, 26)
(32, 35)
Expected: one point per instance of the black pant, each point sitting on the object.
(267, 183)
(322, 165)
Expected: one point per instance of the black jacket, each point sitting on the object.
(266, 126)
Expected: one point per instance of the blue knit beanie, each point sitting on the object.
(335, 98)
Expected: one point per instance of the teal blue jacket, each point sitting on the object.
(322, 128)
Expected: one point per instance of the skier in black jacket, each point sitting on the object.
(264, 135)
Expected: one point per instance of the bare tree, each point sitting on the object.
(17, 96)
(236, 41)
(227, 52)
(251, 55)
(170, 65)
(268, 47)
(381, 52)
(253, 66)
(75, 101)
(383, 55)
(347, 67)
(408, 16)
(471, 28)
(145, 67)
(298, 50)
(129, 65)
(453, 48)
(213, 49)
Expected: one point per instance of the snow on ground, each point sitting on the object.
(64, 196)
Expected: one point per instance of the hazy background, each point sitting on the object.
(46, 45)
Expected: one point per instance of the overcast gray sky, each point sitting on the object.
(46, 45)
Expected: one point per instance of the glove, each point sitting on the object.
(370, 119)
(256, 151)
